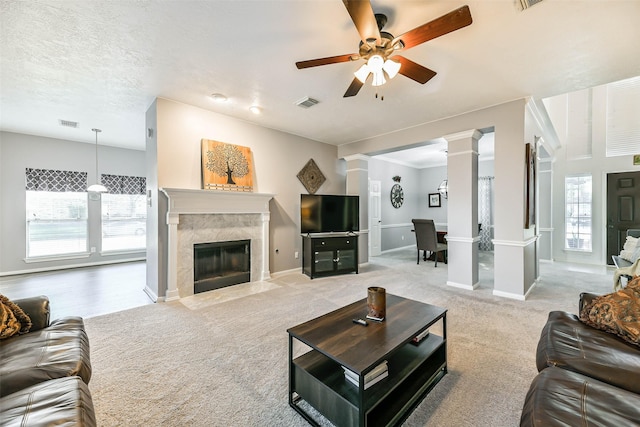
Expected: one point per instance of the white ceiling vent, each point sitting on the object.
(68, 123)
(525, 4)
(307, 102)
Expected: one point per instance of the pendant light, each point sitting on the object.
(97, 188)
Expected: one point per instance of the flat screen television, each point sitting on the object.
(325, 213)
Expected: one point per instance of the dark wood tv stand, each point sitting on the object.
(328, 254)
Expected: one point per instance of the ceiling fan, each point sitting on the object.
(377, 46)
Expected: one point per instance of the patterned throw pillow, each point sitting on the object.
(617, 313)
(630, 249)
(12, 319)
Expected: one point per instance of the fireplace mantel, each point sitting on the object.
(185, 201)
(212, 204)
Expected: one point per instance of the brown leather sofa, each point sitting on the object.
(586, 376)
(44, 373)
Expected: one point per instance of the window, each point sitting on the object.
(623, 128)
(577, 222)
(56, 207)
(124, 213)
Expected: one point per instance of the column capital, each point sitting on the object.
(473, 133)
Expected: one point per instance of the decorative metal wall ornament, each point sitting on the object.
(396, 178)
(226, 166)
(311, 177)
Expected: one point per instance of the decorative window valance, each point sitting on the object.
(123, 184)
(55, 180)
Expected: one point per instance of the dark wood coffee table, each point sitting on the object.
(333, 341)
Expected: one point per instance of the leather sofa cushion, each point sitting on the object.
(568, 343)
(60, 350)
(63, 401)
(37, 308)
(558, 397)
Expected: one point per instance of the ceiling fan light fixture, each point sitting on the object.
(391, 68)
(375, 63)
(362, 73)
(378, 78)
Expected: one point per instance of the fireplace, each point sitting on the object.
(220, 264)
(202, 216)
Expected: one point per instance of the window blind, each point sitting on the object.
(55, 180)
(123, 184)
(623, 118)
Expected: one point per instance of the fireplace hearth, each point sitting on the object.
(220, 264)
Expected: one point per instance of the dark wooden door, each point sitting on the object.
(623, 209)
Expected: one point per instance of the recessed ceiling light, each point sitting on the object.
(255, 109)
(218, 97)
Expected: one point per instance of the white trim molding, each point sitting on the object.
(521, 244)
(463, 286)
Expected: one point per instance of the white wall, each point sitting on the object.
(598, 165)
(18, 152)
(396, 222)
(277, 157)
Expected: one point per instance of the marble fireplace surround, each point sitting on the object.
(203, 216)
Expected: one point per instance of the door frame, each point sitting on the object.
(604, 213)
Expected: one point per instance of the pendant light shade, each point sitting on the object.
(97, 188)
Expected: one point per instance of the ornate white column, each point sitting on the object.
(462, 210)
(172, 263)
(265, 217)
(358, 184)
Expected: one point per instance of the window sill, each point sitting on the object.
(584, 251)
(79, 255)
(124, 252)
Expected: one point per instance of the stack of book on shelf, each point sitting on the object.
(422, 335)
(376, 374)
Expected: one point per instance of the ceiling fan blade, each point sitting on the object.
(413, 70)
(327, 61)
(452, 21)
(363, 18)
(354, 88)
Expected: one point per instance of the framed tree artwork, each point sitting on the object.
(434, 200)
(226, 166)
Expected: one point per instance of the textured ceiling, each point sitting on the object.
(103, 63)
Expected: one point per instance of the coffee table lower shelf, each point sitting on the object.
(413, 371)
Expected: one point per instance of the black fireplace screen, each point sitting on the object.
(220, 264)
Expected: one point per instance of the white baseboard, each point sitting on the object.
(463, 286)
(147, 290)
(70, 266)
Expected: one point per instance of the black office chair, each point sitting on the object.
(427, 239)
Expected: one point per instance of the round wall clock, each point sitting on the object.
(397, 196)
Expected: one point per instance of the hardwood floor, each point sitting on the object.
(84, 292)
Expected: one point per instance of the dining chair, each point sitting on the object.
(427, 239)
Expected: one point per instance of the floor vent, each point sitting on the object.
(526, 4)
(68, 123)
(307, 102)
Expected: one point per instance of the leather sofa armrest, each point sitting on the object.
(37, 308)
(585, 298)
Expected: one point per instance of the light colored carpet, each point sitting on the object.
(214, 361)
